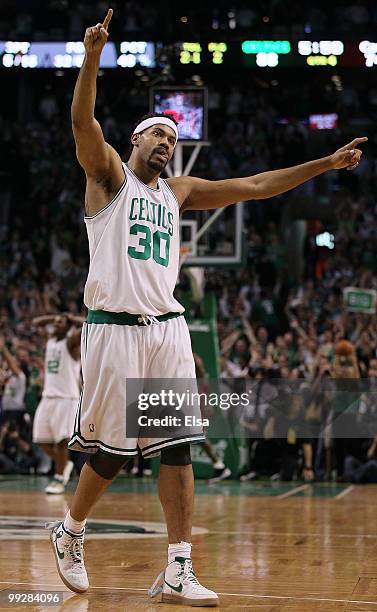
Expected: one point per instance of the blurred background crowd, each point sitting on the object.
(281, 315)
(54, 19)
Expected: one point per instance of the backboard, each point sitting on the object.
(213, 237)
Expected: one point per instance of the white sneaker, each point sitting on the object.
(178, 584)
(68, 471)
(222, 475)
(249, 476)
(69, 556)
(55, 487)
(147, 472)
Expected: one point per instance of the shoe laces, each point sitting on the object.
(188, 573)
(75, 548)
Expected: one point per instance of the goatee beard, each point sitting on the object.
(155, 165)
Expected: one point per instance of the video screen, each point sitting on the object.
(327, 121)
(188, 107)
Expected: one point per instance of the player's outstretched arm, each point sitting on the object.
(199, 194)
(93, 153)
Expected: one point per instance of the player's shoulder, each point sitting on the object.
(181, 187)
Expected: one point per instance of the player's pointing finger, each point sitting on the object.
(357, 141)
(108, 18)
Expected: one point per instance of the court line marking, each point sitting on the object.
(345, 492)
(296, 533)
(252, 596)
(292, 492)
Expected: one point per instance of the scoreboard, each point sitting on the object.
(127, 54)
(248, 53)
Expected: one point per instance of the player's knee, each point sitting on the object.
(179, 455)
(63, 443)
(105, 465)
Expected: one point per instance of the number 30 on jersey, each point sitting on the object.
(156, 244)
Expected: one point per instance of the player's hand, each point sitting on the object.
(96, 37)
(348, 156)
(308, 474)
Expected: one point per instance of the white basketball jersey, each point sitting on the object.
(14, 392)
(62, 372)
(134, 251)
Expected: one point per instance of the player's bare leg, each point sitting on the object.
(89, 489)
(49, 449)
(61, 456)
(176, 492)
(221, 471)
(178, 583)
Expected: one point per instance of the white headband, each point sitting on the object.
(147, 123)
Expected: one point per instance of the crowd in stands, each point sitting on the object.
(66, 20)
(272, 324)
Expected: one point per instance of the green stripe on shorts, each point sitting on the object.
(123, 318)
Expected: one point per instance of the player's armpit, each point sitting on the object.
(199, 194)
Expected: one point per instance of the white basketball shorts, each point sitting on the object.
(54, 420)
(111, 353)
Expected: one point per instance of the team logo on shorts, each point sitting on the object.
(26, 528)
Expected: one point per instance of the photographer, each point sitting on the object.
(362, 471)
(16, 456)
(288, 425)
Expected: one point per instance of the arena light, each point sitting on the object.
(253, 47)
(325, 240)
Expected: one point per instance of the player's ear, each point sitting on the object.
(135, 139)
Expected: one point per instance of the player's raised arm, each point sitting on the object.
(93, 153)
(200, 194)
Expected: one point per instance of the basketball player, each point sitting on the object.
(135, 327)
(221, 472)
(54, 417)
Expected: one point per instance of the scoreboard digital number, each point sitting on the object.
(322, 52)
(266, 52)
(192, 52)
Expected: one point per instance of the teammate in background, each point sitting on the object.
(55, 415)
(134, 327)
(221, 472)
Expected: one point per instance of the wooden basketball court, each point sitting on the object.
(261, 546)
